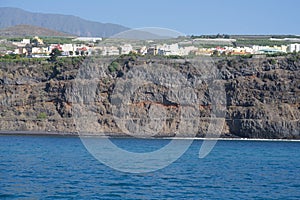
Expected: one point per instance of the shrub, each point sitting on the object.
(272, 62)
(54, 54)
(42, 115)
(114, 66)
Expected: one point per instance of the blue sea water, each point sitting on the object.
(44, 167)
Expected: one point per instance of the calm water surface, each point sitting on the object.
(45, 167)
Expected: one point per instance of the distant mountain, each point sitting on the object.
(29, 30)
(143, 34)
(62, 23)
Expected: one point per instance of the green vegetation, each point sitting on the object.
(277, 54)
(12, 56)
(294, 57)
(212, 45)
(21, 59)
(247, 40)
(272, 61)
(246, 56)
(17, 39)
(284, 36)
(225, 36)
(54, 54)
(6, 47)
(57, 40)
(114, 66)
(47, 40)
(260, 42)
(173, 57)
(42, 116)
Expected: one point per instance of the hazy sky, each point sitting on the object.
(186, 16)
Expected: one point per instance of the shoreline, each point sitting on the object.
(37, 133)
(70, 134)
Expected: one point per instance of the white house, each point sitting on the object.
(22, 43)
(25, 41)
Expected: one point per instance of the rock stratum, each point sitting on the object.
(152, 96)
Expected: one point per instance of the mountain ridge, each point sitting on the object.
(29, 30)
(71, 24)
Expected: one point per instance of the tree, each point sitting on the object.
(54, 54)
(114, 66)
(28, 48)
(35, 42)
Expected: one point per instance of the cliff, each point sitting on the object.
(261, 96)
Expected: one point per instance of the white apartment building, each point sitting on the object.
(187, 50)
(68, 47)
(126, 48)
(109, 51)
(271, 49)
(167, 50)
(40, 50)
(22, 43)
(293, 48)
(88, 39)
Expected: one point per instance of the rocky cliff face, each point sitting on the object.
(153, 96)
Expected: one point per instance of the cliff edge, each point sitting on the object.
(262, 95)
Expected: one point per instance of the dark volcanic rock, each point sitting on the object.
(262, 96)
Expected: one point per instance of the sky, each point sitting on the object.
(190, 17)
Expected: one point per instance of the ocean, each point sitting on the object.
(49, 167)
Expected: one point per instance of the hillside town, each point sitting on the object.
(87, 46)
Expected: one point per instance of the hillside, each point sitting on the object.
(61, 23)
(28, 30)
(262, 96)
